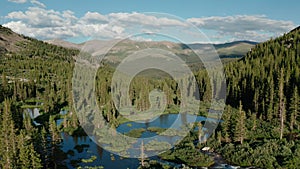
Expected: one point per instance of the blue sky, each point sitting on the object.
(220, 20)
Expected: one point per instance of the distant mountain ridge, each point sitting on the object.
(227, 51)
(63, 43)
(13, 42)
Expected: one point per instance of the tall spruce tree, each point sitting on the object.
(294, 109)
(281, 103)
(240, 128)
(8, 148)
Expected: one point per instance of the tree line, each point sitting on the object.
(262, 105)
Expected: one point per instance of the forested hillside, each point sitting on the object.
(261, 122)
(34, 74)
(256, 79)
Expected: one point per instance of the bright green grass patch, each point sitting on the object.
(155, 145)
(156, 130)
(89, 160)
(136, 133)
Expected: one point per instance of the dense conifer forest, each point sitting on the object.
(261, 121)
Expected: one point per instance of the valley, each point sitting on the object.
(259, 126)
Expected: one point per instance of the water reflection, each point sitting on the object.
(89, 148)
(78, 148)
(32, 113)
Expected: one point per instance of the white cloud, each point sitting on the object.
(244, 27)
(39, 17)
(34, 2)
(43, 23)
(49, 24)
(19, 27)
(38, 3)
(144, 19)
(94, 17)
(43, 33)
(18, 1)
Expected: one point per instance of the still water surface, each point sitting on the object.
(84, 147)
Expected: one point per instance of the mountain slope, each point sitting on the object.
(9, 40)
(35, 67)
(64, 44)
(261, 120)
(227, 51)
(255, 78)
(234, 49)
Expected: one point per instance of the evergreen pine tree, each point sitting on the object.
(240, 128)
(294, 108)
(8, 148)
(281, 103)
